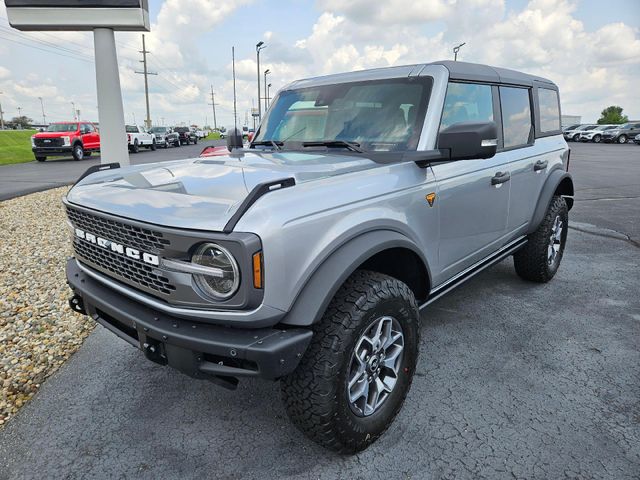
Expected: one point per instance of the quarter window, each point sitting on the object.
(549, 110)
(467, 102)
(516, 116)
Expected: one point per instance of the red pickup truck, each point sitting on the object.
(79, 139)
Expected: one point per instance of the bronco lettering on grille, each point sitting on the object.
(118, 247)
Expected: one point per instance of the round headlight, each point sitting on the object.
(225, 281)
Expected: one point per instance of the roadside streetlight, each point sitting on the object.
(75, 113)
(456, 49)
(268, 95)
(266, 72)
(19, 112)
(259, 46)
(44, 117)
(1, 116)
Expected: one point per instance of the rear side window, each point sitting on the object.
(549, 110)
(467, 102)
(516, 116)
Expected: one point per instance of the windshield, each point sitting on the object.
(181, 129)
(131, 129)
(590, 127)
(158, 129)
(626, 125)
(62, 127)
(379, 115)
(572, 127)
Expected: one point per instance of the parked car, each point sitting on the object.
(137, 136)
(636, 139)
(594, 134)
(313, 268)
(622, 133)
(165, 136)
(200, 134)
(79, 139)
(573, 134)
(186, 135)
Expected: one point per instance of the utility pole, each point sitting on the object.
(146, 73)
(1, 116)
(19, 112)
(44, 117)
(213, 105)
(75, 112)
(259, 46)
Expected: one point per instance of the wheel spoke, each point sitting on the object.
(361, 390)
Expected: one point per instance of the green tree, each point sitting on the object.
(20, 122)
(612, 115)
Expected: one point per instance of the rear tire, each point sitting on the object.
(622, 139)
(135, 148)
(597, 138)
(153, 145)
(354, 358)
(576, 137)
(539, 259)
(78, 152)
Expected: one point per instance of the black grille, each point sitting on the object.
(125, 267)
(48, 142)
(136, 237)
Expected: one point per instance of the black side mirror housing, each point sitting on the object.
(234, 139)
(469, 140)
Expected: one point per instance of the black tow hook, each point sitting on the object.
(77, 305)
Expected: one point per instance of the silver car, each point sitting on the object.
(594, 134)
(308, 256)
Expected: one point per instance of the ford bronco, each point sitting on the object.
(308, 256)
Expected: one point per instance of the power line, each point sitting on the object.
(45, 50)
(45, 43)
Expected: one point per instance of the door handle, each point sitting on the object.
(500, 178)
(540, 165)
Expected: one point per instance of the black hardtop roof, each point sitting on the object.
(486, 73)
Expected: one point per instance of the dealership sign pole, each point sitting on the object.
(103, 17)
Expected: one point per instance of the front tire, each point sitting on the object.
(40, 158)
(78, 152)
(622, 139)
(153, 145)
(597, 138)
(358, 369)
(539, 259)
(576, 137)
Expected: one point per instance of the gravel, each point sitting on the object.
(38, 332)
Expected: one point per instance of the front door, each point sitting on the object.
(472, 195)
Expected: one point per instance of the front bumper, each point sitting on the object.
(200, 350)
(51, 150)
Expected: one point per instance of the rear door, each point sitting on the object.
(472, 195)
(89, 136)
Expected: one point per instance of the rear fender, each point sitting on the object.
(559, 182)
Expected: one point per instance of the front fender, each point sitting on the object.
(320, 288)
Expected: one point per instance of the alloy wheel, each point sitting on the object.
(555, 241)
(375, 366)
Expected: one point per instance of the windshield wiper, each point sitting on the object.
(276, 145)
(353, 146)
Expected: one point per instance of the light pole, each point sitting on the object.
(1, 116)
(259, 46)
(75, 113)
(44, 117)
(19, 112)
(266, 72)
(268, 95)
(456, 50)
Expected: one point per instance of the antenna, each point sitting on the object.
(233, 63)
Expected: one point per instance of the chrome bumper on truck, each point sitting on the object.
(200, 350)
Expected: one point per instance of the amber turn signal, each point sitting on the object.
(257, 270)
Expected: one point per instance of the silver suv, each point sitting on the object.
(308, 256)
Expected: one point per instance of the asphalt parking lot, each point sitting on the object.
(515, 380)
(22, 178)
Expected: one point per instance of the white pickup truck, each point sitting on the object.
(137, 136)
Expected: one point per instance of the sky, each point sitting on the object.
(590, 48)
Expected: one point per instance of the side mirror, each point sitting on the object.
(234, 139)
(469, 140)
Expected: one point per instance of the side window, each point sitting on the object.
(85, 128)
(467, 102)
(516, 116)
(549, 110)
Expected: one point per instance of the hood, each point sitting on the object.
(54, 134)
(201, 193)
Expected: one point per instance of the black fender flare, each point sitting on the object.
(557, 178)
(314, 297)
